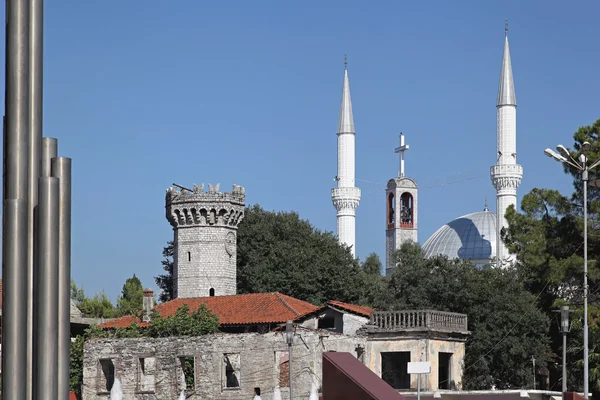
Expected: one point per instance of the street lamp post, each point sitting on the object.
(565, 157)
(289, 337)
(564, 327)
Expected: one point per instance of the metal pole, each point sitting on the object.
(49, 151)
(418, 386)
(564, 377)
(533, 361)
(290, 357)
(584, 177)
(15, 229)
(61, 169)
(36, 53)
(14, 282)
(45, 327)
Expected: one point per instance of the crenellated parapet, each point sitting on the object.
(197, 207)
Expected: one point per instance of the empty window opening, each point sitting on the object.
(107, 378)
(231, 364)
(326, 323)
(283, 368)
(187, 372)
(444, 370)
(146, 374)
(391, 208)
(189, 256)
(406, 210)
(257, 391)
(394, 369)
(211, 292)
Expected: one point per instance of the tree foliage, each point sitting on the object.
(131, 300)
(547, 238)
(506, 326)
(165, 281)
(278, 251)
(183, 323)
(98, 306)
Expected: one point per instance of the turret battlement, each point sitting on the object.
(195, 207)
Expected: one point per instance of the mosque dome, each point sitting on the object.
(470, 237)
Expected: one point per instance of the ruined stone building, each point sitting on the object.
(231, 364)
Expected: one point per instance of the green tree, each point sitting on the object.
(374, 290)
(183, 323)
(506, 326)
(98, 306)
(278, 251)
(131, 300)
(165, 281)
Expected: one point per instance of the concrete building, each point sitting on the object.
(346, 196)
(205, 236)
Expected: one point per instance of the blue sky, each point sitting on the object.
(144, 94)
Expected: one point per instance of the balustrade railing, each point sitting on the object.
(419, 319)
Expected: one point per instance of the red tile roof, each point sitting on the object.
(361, 310)
(241, 309)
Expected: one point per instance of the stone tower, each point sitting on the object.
(205, 239)
(346, 196)
(506, 175)
(401, 223)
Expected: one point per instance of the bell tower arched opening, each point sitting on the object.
(391, 211)
(406, 210)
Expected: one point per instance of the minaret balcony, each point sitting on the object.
(507, 170)
(346, 193)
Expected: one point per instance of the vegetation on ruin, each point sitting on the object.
(184, 322)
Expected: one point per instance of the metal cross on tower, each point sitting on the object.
(403, 147)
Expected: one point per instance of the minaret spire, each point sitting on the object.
(346, 197)
(506, 87)
(506, 174)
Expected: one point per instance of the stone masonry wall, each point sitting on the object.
(205, 239)
(151, 369)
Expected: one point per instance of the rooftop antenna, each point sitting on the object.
(183, 188)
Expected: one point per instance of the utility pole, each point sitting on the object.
(289, 337)
(533, 361)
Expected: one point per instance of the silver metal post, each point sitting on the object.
(564, 377)
(418, 386)
(36, 53)
(290, 357)
(533, 361)
(49, 151)
(15, 189)
(45, 321)
(14, 282)
(584, 177)
(61, 169)
(289, 337)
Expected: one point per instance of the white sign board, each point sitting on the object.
(419, 367)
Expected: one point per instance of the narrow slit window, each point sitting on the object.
(189, 256)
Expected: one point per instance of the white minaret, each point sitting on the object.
(506, 174)
(345, 196)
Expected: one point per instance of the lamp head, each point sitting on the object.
(585, 147)
(563, 151)
(554, 155)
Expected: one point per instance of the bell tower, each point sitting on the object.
(401, 221)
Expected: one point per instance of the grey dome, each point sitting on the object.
(470, 237)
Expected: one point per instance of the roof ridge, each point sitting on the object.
(285, 303)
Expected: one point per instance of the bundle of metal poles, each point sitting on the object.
(36, 224)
